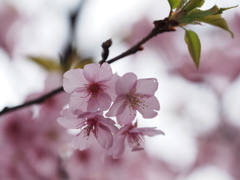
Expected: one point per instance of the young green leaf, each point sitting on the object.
(46, 63)
(192, 4)
(182, 3)
(224, 9)
(174, 3)
(194, 46)
(216, 20)
(197, 13)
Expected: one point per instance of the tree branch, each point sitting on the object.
(35, 101)
(161, 26)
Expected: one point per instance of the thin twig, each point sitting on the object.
(132, 50)
(35, 101)
(161, 26)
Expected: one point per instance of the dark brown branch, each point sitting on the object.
(161, 26)
(133, 49)
(35, 101)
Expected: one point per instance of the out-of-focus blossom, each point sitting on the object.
(215, 62)
(47, 112)
(219, 65)
(33, 141)
(217, 68)
(8, 18)
(93, 126)
(44, 161)
(93, 163)
(165, 45)
(28, 163)
(17, 129)
(92, 88)
(25, 157)
(86, 164)
(134, 95)
(220, 148)
(134, 136)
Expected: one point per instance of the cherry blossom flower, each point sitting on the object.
(93, 126)
(92, 88)
(134, 136)
(134, 95)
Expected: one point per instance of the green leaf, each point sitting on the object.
(46, 63)
(192, 4)
(182, 3)
(224, 9)
(197, 13)
(216, 20)
(174, 3)
(194, 46)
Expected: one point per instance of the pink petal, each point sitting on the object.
(104, 101)
(101, 102)
(69, 120)
(104, 137)
(151, 105)
(127, 116)
(111, 87)
(105, 73)
(147, 86)
(125, 83)
(78, 100)
(90, 115)
(117, 107)
(119, 141)
(118, 147)
(123, 130)
(95, 73)
(92, 104)
(108, 122)
(71, 123)
(148, 131)
(137, 149)
(73, 79)
(68, 113)
(82, 142)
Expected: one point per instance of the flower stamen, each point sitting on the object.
(135, 140)
(135, 100)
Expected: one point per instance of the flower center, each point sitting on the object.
(135, 140)
(135, 100)
(91, 126)
(95, 88)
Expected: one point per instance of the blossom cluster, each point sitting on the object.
(96, 91)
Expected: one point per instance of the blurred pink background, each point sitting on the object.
(199, 108)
